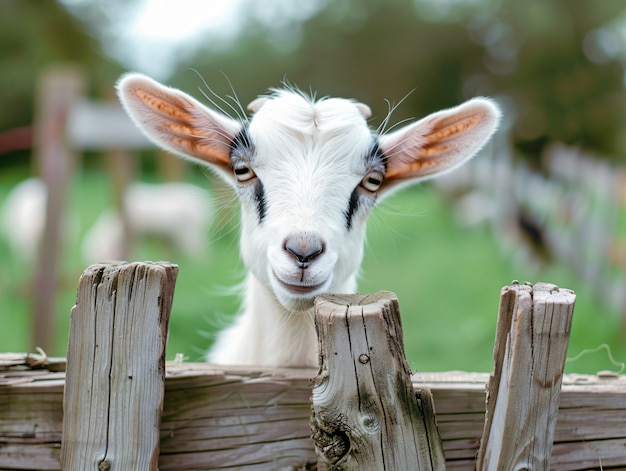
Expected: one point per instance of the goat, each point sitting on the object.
(307, 173)
(23, 218)
(173, 211)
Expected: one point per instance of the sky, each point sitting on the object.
(150, 36)
(180, 20)
(164, 30)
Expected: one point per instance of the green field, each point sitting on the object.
(447, 278)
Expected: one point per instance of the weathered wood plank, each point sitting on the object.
(116, 367)
(532, 337)
(31, 416)
(96, 126)
(200, 399)
(593, 454)
(253, 420)
(33, 361)
(366, 413)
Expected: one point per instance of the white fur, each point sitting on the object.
(310, 157)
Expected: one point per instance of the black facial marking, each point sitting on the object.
(352, 207)
(374, 159)
(376, 155)
(241, 148)
(259, 199)
(241, 143)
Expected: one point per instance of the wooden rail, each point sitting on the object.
(204, 417)
(250, 417)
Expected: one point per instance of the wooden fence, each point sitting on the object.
(119, 406)
(571, 208)
(67, 124)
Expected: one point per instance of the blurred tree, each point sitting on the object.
(549, 62)
(529, 54)
(558, 92)
(33, 35)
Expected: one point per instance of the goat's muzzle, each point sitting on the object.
(304, 248)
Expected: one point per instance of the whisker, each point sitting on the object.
(209, 89)
(398, 148)
(382, 128)
(241, 113)
(236, 110)
(399, 123)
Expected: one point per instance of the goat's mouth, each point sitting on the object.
(299, 289)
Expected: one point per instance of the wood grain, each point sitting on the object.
(208, 412)
(532, 336)
(366, 413)
(116, 367)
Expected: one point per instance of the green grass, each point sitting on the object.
(447, 278)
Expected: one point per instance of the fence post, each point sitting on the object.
(366, 414)
(114, 385)
(58, 90)
(532, 336)
(121, 166)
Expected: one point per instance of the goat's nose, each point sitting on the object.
(304, 249)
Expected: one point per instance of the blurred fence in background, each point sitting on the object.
(571, 208)
(35, 215)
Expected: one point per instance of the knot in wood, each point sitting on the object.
(370, 423)
(363, 358)
(332, 446)
(104, 466)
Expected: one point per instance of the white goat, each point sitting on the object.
(174, 211)
(307, 174)
(23, 218)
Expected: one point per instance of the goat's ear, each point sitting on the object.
(177, 122)
(256, 104)
(438, 143)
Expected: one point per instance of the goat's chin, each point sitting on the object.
(294, 295)
(296, 298)
(297, 304)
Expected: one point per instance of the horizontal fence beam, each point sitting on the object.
(248, 417)
(124, 408)
(96, 125)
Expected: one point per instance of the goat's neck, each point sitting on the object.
(266, 333)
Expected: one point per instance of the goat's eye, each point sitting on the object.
(243, 172)
(372, 181)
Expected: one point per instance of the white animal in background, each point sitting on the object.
(104, 241)
(177, 212)
(23, 218)
(307, 174)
